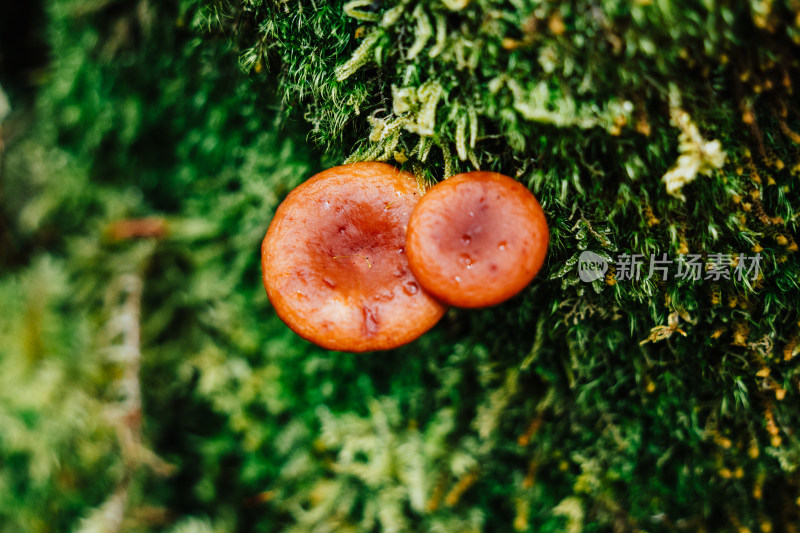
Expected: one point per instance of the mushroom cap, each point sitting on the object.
(477, 239)
(334, 261)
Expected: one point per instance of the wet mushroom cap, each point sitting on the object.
(334, 261)
(477, 239)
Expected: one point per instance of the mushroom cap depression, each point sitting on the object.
(477, 239)
(334, 260)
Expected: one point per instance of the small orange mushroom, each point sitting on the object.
(334, 261)
(477, 239)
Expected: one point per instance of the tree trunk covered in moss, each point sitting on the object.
(146, 384)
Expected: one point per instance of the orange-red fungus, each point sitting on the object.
(477, 239)
(334, 260)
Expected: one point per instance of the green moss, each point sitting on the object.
(655, 405)
(591, 105)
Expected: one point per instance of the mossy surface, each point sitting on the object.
(649, 127)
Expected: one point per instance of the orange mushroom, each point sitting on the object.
(334, 261)
(477, 239)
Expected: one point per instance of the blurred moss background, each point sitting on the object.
(146, 385)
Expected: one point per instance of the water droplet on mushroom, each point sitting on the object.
(342, 229)
(471, 213)
(370, 321)
(502, 245)
(466, 239)
(410, 287)
(467, 260)
(458, 279)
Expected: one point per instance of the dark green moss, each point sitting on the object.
(656, 405)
